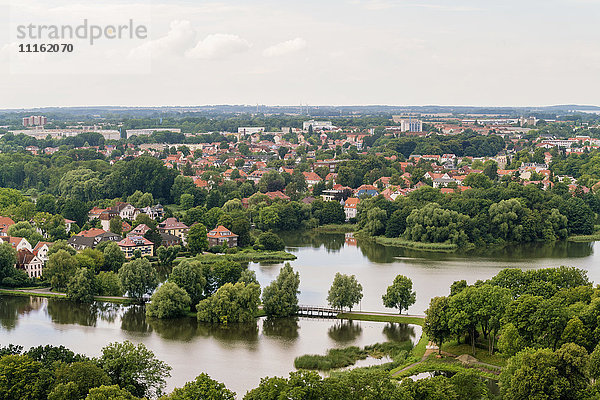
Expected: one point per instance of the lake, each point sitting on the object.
(240, 355)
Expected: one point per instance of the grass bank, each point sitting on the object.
(247, 256)
(340, 358)
(585, 238)
(447, 364)
(402, 319)
(336, 228)
(409, 244)
(117, 300)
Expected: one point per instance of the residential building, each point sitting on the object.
(222, 236)
(91, 238)
(169, 240)
(317, 125)
(351, 207)
(41, 250)
(5, 223)
(132, 243)
(17, 243)
(175, 228)
(139, 230)
(30, 263)
(154, 212)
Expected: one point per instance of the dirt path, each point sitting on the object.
(431, 348)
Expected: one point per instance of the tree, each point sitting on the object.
(230, 303)
(197, 240)
(203, 387)
(116, 225)
(8, 259)
(19, 377)
(280, 298)
(433, 224)
(25, 230)
(400, 294)
(113, 392)
(168, 301)
(85, 375)
(270, 241)
(134, 368)
(81, 286)
(544, 374)
(108, 284)
(186, 201)
(344, 292)
(60, 268)
(166, 255)
(138, 278)
(437, 320)
(113, 257)
(189, 276)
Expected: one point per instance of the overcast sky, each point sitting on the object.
(340, 52)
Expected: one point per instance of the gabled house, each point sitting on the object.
(311, 178)
(17, 243)
(30, 263)
(351, 207)
(175, 228)
(169, 240)
(222, 236)
(139, 230)
(41, 250)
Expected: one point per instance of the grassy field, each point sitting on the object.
(247, 256)
(481, 354)
(336, 228)
(403, 319)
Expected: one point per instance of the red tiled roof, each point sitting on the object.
(91, 232)
(221, 231)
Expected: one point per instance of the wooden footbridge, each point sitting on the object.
(317, 312)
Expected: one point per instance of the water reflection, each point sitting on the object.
(285, 328)
(184, 329)
(231, 333)
(345, 331)
(13, 307)
(68, 312)
(134, 320)
(399, 332)
(385, 254)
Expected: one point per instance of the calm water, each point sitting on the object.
(320, 256)
(241, 354)
(238, 355)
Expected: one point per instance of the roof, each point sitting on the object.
(277, 195)
(134, 241)
(25, 257)
(39, 245)
(221, 231)
(351, 202)
(91, 232)
(311, 176)
(5, 222)
(172, 223)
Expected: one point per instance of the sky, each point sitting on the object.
(328, 52)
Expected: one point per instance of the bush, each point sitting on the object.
(168, 301)
(269, 241)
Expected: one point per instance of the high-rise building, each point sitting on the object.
(35, 120)
(411, 125)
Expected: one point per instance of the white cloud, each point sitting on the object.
(217, 46)
(181, 37)
(284, 48)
